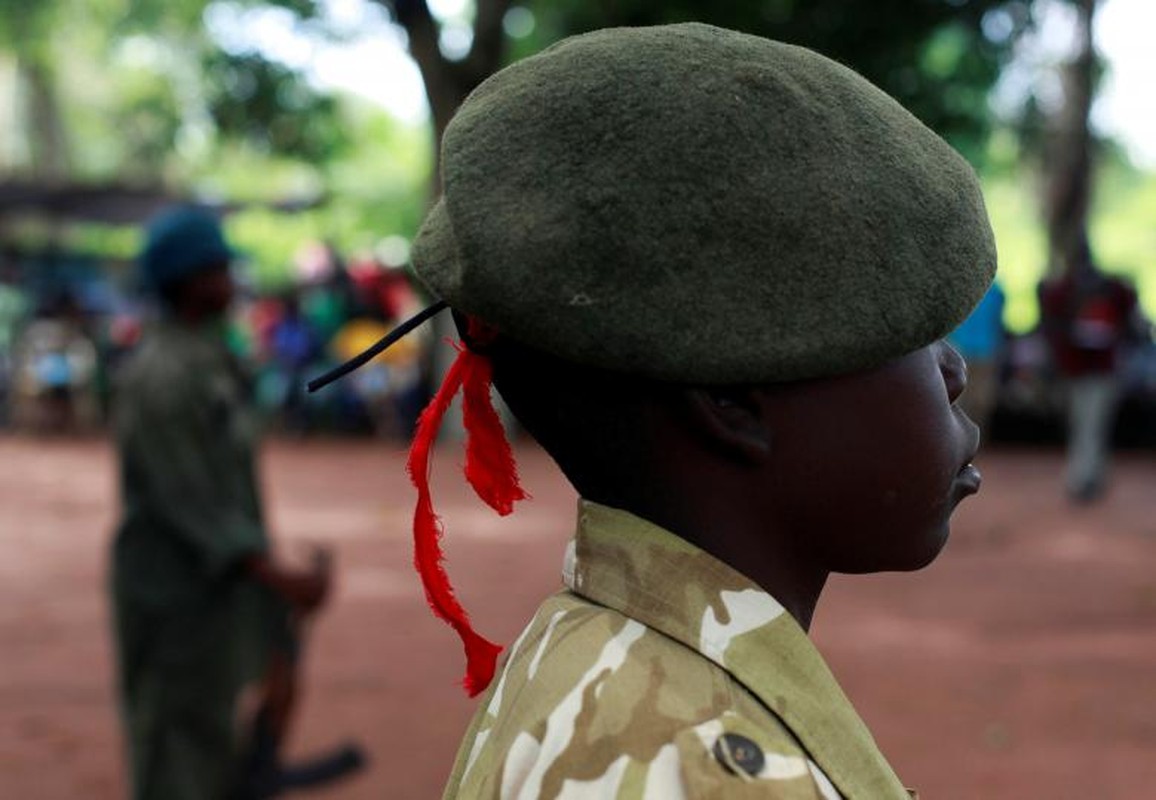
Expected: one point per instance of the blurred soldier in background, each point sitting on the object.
(203, 610)
(1089, 319)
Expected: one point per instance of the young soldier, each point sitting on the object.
(202, 606)
(710, 274)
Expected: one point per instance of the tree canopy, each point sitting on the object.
(141, 90)
(939, 58)
(153, 93)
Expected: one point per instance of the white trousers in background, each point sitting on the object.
(1092, 404)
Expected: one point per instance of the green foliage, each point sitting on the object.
(147, 120)
(25, 27)
(931, 55)
(148, 97)
(1123, 237)
(270, 107)
(1021, 243)
(371, 189)
(143, 88)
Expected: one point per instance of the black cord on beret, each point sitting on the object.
(377, 348)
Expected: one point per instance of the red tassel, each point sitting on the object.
(490, 469)
(490, 466)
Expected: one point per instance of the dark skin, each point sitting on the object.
(201, 298)
(786, 483)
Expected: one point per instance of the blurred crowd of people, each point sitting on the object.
(61, 340)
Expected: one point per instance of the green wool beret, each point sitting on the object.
(698, 205)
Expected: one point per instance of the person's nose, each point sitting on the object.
(954, 369)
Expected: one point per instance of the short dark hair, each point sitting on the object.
(592, 422)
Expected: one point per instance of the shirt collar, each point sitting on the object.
(625, 563)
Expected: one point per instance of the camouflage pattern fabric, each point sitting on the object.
(660, 672)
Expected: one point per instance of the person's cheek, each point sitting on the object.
(915, 463)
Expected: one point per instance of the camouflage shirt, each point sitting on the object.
(660, 672)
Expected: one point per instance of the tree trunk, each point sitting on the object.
(447, 83)
(1068, 153)
(13, 147)
(47, 142)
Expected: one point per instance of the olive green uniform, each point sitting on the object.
(191, 629)
(660, 672)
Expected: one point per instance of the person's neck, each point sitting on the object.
(747, 544)
(782, 576)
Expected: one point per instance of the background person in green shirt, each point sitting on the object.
(202, 607)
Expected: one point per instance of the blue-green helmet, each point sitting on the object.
(179, 243)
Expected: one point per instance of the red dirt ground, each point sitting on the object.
(1021, 665)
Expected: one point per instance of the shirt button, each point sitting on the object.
(739, 754)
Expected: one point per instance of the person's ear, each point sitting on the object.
(732, 421)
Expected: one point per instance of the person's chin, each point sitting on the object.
(922, 551)
(926, 555)
(910, 559)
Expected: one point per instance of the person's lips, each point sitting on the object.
(969, 479)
